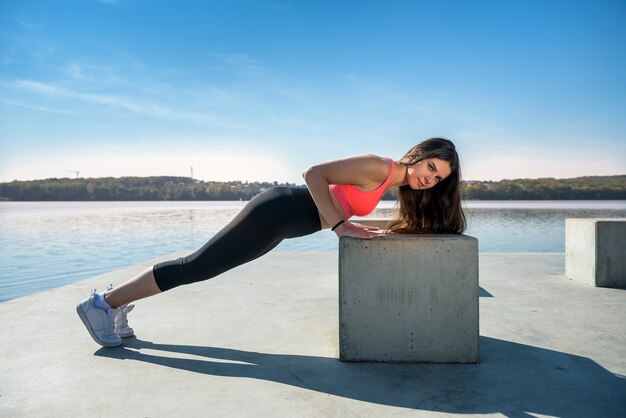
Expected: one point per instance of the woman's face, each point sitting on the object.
(427, 173)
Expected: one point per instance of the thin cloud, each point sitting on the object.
(102, 74)
(105, 99)
(37, 87)
(271, 113)
(136, 106)
(33, 107)
(24, 24)
(75, 70)
(142, 107)
(242, 65)
(81, 70)
(291, 122)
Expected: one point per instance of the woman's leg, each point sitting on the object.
(275, 214)
(141, 286)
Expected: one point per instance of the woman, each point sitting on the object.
(429, 181)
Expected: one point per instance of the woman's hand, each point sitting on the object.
(349, 229)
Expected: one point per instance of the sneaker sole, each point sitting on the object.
(126, 335)
(83, 318)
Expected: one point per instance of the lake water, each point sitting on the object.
(48, 244)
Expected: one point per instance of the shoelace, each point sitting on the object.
(109, 317)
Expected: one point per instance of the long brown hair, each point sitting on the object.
(434, 210)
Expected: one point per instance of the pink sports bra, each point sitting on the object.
(357, 202)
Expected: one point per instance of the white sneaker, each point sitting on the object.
(121, 321)
(99, 322)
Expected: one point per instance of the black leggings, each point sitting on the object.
(271, 216)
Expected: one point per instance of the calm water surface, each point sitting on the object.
(48, 244)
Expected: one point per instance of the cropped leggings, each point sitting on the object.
(271, 216)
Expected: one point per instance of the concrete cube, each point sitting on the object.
(409, 298)
(595, 251)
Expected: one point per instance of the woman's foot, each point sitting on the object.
(99, 322)
(121, 321)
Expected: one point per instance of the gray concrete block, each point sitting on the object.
(595, 251)
(409, 298)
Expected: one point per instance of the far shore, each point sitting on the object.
(188, 189)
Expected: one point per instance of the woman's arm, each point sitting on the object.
(360, 171)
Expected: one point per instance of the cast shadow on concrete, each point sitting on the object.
(512, 379)
(482, 293)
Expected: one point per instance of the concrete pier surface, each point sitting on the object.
(261, 341)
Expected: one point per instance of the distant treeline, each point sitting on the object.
(185, 188)
(579, 188)
(131, 188)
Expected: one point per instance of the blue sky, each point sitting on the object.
(260, 90)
